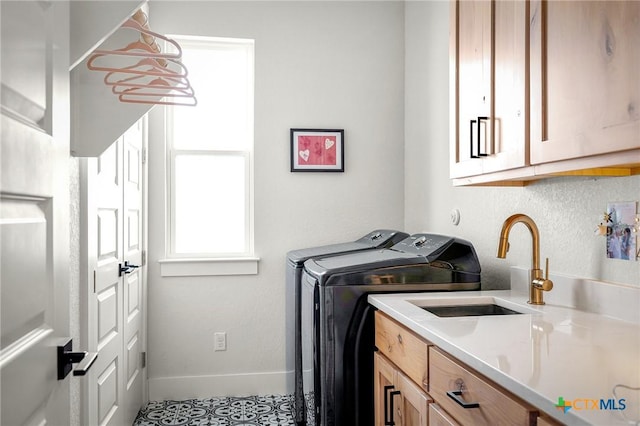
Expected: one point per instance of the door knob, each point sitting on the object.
(127, 268)
(66, 359)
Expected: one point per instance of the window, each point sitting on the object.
(210, 153)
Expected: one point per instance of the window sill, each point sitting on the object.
(208, 267)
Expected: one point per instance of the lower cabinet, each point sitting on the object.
(398, 401)
(441, 392)
(439, 417)
(472, 399)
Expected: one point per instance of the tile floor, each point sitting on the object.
(219, 411)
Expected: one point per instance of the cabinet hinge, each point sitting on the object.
(94, 280)
(143, 261)
(144, 155)
(143, 359)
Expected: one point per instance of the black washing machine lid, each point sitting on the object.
(360, 261)
(378, 238)
(411, 254)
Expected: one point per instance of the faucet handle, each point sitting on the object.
(544, 284)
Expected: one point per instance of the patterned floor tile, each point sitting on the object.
(220, 411)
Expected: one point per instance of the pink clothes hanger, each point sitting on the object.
(146, 47)
(146, 66)
(142, 81)
(146, 98)
(157, 78)
(156, 87)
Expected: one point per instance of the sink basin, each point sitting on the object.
(469, 310)
(470, 306)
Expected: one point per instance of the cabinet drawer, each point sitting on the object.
(404, 348)
(495, 406)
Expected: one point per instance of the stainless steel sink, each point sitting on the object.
(466, 306)
(469, 310)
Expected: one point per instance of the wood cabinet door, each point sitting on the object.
(439, 417)
(414, 402)
(509, 143)
(470, 85)
(585, 91)
(383, 384)
(488, 80)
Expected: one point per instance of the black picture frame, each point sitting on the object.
(317, 150)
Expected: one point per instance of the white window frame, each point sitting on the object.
(199, 264)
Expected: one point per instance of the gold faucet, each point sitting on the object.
(538, 283)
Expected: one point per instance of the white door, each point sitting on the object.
(34, 210)
(134, 279)
(112, 195)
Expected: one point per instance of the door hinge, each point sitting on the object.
(144, 258)
(143, 359)
(94, 280)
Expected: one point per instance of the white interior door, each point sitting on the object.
(104, 309)
(113, 196)
(134, 279)
(34, 211)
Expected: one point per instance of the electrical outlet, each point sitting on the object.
(220, 341)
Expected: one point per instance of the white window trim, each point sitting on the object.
(205, 264)
(208, 267)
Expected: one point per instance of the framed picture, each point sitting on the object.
(621, 230)
(317, 150)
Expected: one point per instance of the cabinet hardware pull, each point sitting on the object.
(456, 396)
(391, 410)
(386, 406)
(388, 403)
(472, 122)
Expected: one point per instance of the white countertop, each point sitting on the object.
(548, 352)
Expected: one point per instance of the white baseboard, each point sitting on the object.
(187, 387)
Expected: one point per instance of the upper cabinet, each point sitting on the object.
(489, 84)
(585, 74)
(543, 88)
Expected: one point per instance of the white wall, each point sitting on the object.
(566, 210)
(344, 65)
(318, 65)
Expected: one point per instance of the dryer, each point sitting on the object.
(377, 239)
(337, 322)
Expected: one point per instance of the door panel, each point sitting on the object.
(106, 306)
(26, 320)
(34, 210)
(107, 387)
(133, 322)
(114, 198)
